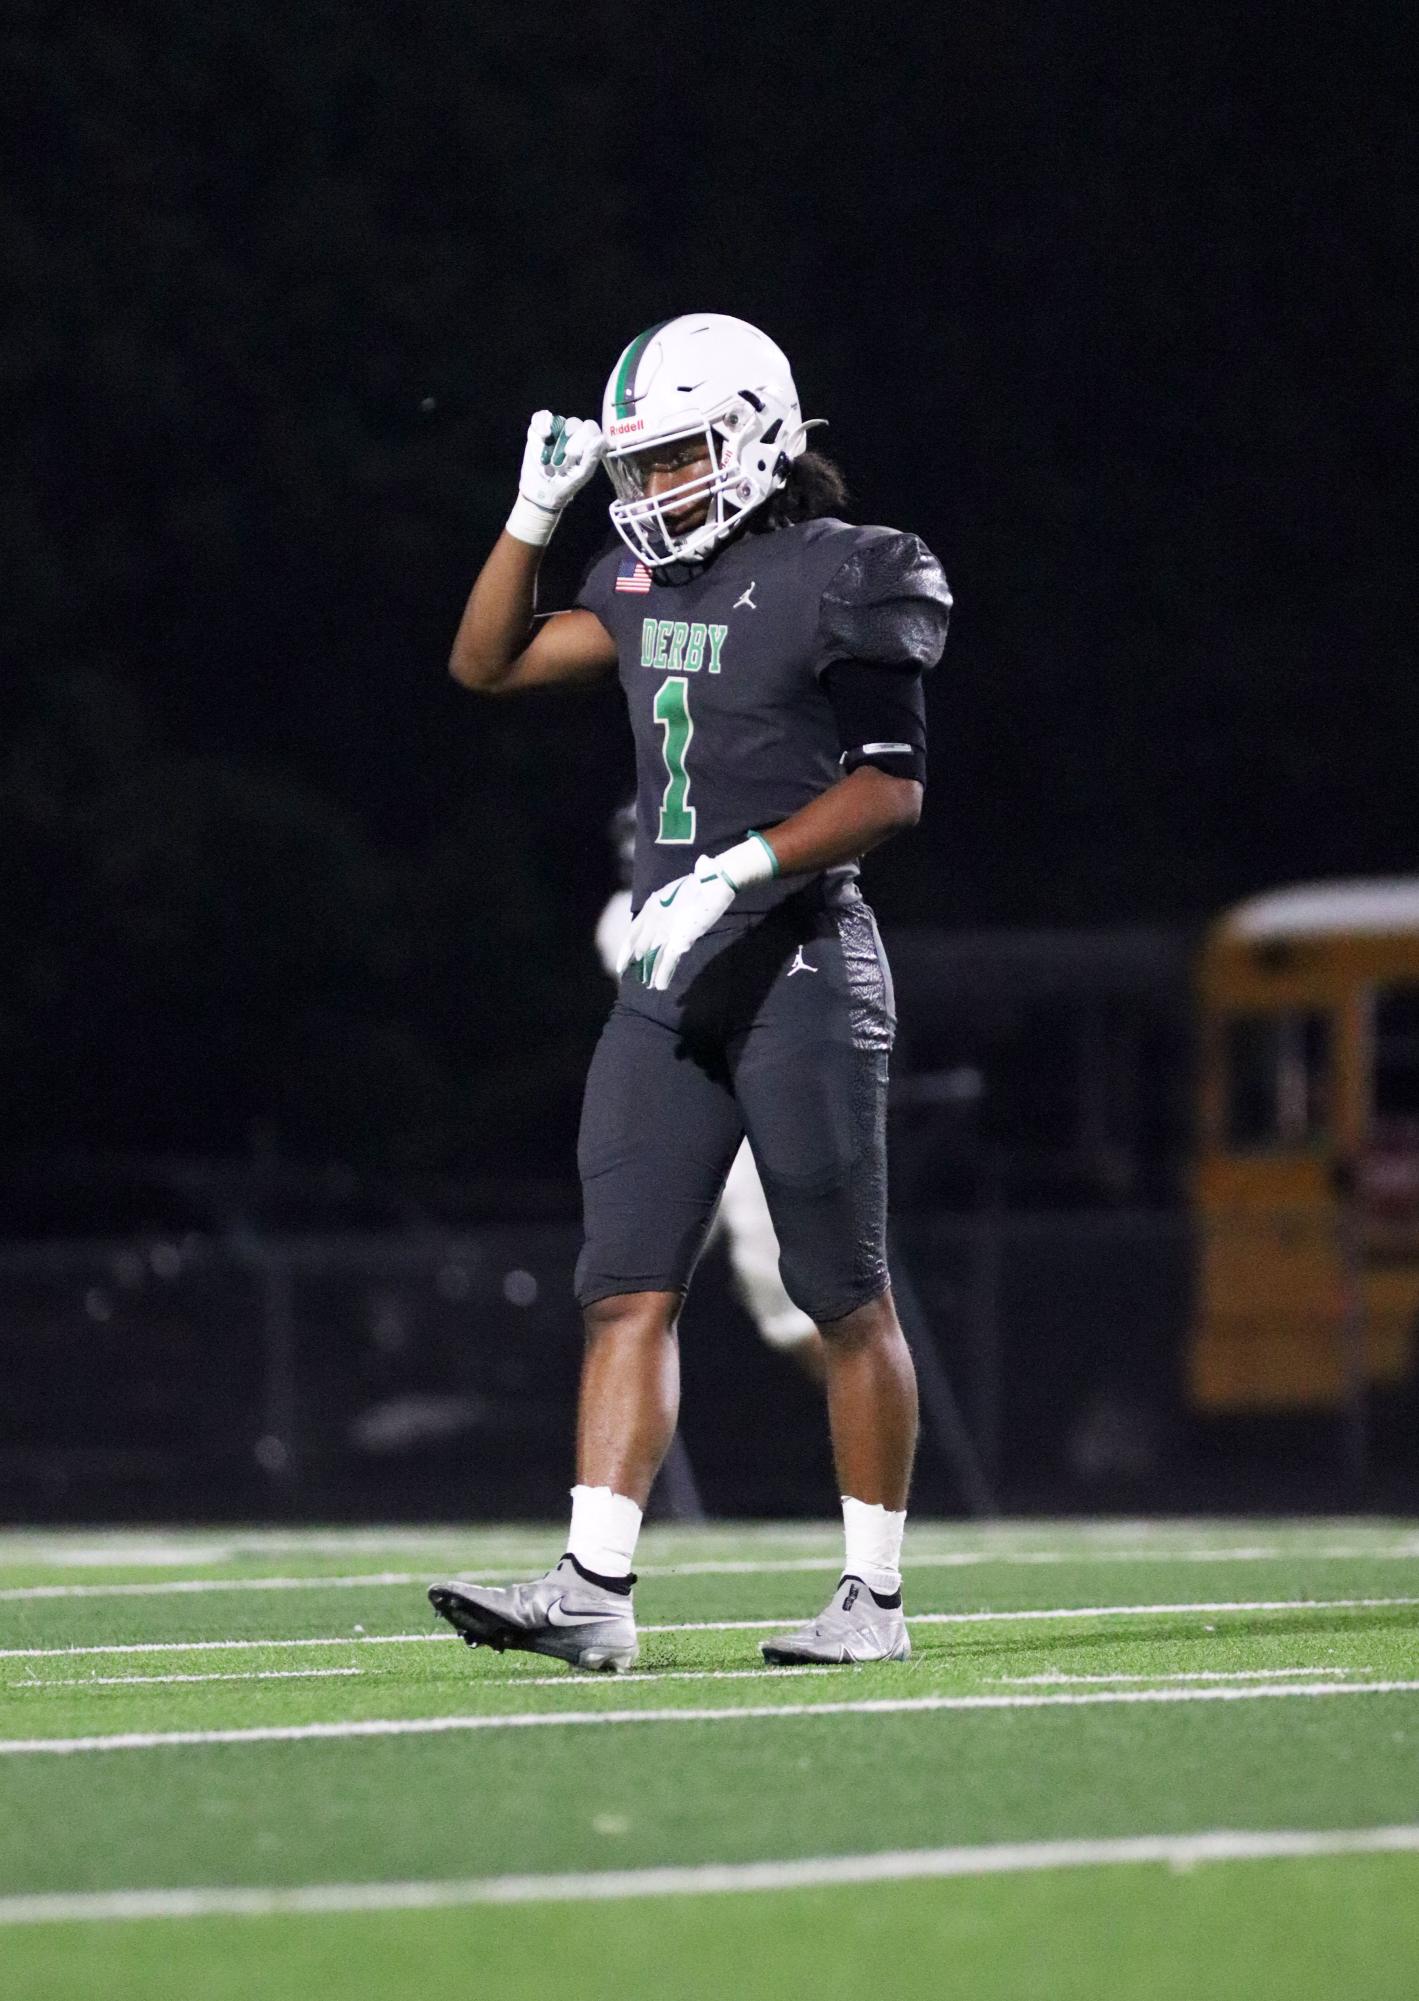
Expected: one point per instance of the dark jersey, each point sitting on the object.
(723, 675)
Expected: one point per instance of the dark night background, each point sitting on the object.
(1108, 304)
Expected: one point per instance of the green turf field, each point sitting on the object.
(1127, 1759)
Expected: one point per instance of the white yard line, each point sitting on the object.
(174, 1587)
(221, 1646)
(156, 1680)
(954, 1559)
(1006, 1858)
(1067, 1612)
(785, 1619)
(640, 1675)
(421, 1726)
(1056, 1679)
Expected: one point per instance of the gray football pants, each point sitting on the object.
(777, 1026)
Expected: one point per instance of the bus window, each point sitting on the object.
(1278, 1079)
(1397, 1052)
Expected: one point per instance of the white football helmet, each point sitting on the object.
(702, 377)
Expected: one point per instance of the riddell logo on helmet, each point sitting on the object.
(631, 424)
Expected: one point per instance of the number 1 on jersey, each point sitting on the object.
(672, 712)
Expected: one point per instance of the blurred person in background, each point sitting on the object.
(771, 656)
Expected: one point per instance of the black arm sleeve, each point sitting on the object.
(880, 711)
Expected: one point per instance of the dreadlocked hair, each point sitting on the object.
(815, 486)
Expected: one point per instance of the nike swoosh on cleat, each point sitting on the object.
(559, 1614)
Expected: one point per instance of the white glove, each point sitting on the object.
(560, 456)
(671, 919)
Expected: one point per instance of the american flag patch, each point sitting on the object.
(632, 575)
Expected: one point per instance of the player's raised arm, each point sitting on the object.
(497, 650)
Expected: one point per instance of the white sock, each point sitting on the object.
(873, 1536)
(603, 1533)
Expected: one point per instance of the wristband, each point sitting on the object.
(751, 862)
(531, 523)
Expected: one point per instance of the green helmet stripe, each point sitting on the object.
(630, 362)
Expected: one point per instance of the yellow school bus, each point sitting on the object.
(1306, 1181)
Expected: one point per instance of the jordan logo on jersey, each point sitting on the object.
(745, 598)
(678, 647)
(800, 965)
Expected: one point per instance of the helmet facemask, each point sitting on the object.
(746, 466)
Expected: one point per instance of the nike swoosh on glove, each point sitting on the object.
(671, 919)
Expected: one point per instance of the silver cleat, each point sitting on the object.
(559, 1614)
(854, 1627)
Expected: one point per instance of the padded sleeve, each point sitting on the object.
(880, 712)
(887, 602)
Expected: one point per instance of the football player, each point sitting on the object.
(771, 656)
(743, 1214)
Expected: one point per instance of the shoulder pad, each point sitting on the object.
(887, 601)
